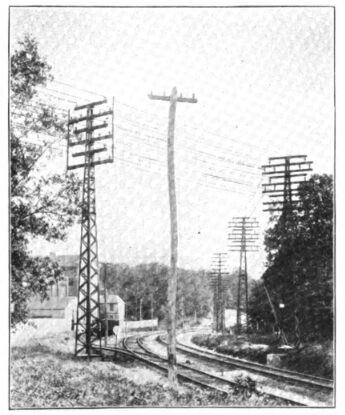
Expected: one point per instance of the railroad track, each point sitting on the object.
(277, 373)
(135, 347)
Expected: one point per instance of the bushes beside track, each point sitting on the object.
(314, 358)
(233, 346)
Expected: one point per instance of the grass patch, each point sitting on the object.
(45, 374)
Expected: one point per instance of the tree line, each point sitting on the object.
(144, 289)
(44, 203)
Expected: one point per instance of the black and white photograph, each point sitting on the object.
(171, 206)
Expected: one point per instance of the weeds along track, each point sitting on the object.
(277, 373)
(134, 346)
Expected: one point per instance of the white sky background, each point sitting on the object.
(263, 78)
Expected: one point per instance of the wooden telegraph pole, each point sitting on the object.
(173, 99)
(105, 306)
(219, 281)
(243, 238)
(285, 174)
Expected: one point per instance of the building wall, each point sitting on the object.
(115, 310)
(67, 286)
(72, 277)
(53, 309)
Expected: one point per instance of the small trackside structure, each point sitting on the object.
(113, 308)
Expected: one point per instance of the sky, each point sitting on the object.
(263, 78)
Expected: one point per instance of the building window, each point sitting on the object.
(111, 307)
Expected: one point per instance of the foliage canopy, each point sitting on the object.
(301, 245)
(44, 202)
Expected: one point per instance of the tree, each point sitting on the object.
(44, 203)
(307, 237)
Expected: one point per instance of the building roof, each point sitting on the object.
(67, 261)
(54, 303)
(111, 298)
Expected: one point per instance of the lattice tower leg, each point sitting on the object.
(88, 323)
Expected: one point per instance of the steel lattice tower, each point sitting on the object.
(88, 321)
(285, 174)
(243, 238)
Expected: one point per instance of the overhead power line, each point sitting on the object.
(205, 173)
(189, 126)
(44, 88)
(183, 157)
(56, 81)
(156, 129)
(193, 150)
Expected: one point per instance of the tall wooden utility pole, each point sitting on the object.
(243, 237)
(105, 306)
(91, 151)
(173, 99)
(285, 174)
(219, 281)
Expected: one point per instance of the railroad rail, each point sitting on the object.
(278, 373)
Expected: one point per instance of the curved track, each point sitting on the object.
(281, 374)
(136, 347)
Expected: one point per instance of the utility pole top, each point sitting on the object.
(82, 142)
(173, 97)
(284, 178)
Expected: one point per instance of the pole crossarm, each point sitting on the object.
(93, 140)
(90, 105)
(304, 156)
(90, 129)
(282, 176)
(89, 153)
(80, 141)
(86, 118)
(168, 98)
(291, 169)
(293, 191)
